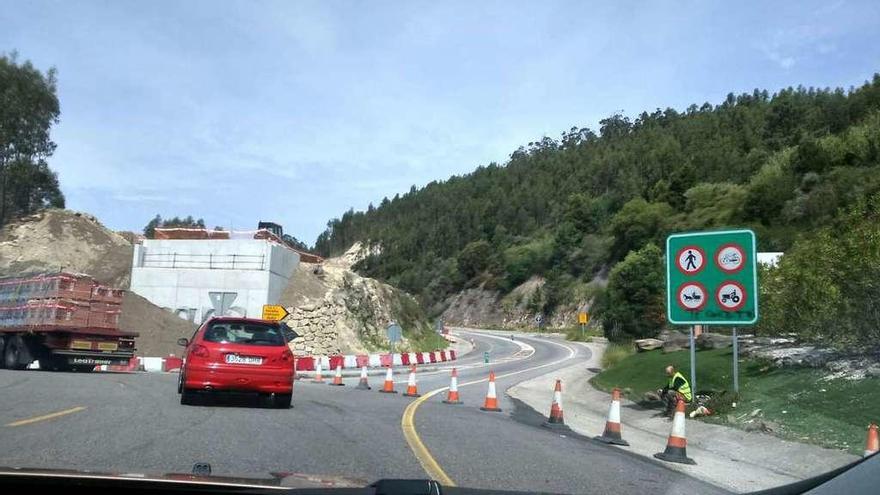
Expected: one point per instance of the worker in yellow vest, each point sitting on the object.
(677, 388)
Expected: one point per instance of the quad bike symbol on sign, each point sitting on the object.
(730, 258)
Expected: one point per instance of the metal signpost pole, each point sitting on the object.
(693, 363)
(735, 363)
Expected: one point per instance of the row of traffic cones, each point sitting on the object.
(452, 397)
(676, 444)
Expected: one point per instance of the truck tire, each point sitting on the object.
(16, 355)
(2, 353)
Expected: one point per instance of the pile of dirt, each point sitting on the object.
(55, 240)
(158, 329)
(61, 240)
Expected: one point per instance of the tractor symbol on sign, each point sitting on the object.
(694, 296)
(730, 296)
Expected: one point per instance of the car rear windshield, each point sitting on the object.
(244, 333)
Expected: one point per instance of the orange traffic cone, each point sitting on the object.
(318, 377)
(491, 403)
(452, 396)
(363, 384)
(337, 379)
(388, 388)
(872, 446)
(612, 426)
(676, 445)
(556, 420)
(411, 390)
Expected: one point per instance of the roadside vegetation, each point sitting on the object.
(794, 403)
(592, 204)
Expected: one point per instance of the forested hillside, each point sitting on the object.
(568, 209)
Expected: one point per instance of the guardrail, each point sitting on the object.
(205, 261)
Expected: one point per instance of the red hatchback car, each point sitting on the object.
(237, 355)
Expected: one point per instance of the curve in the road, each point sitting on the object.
(407, 422)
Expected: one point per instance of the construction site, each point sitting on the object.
(66, 267)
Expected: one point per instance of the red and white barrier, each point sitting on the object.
(173, 363)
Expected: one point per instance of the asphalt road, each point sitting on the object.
(135, 423)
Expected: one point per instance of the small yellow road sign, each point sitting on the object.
(273, 312)
(583, 318)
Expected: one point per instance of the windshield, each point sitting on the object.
(559, 246)
(238, 333)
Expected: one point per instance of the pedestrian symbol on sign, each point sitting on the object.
(690, 260)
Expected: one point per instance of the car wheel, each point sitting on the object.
(188, 398)
(282, 401)
(180, 382)
(2, 353)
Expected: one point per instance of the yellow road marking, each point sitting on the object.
(45, 417)
(408, 425)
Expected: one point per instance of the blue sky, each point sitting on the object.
(296, 111)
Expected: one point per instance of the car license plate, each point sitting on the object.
(236, 359)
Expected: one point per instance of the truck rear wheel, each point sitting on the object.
(2, 351)
(16, 355)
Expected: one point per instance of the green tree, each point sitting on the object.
(28, 109)
(474, 258)
(633, 305)
(638, 223)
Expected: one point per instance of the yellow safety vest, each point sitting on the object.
(685, 389)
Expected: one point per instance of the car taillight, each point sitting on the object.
(200, 351)
(287, 356)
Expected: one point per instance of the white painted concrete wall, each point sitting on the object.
(180, 275)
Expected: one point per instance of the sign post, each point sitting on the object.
(712, 278)
(394, 333)
(583, 319)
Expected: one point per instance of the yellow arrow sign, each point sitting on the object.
(273, 312)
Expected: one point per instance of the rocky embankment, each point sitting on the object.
(335, 310)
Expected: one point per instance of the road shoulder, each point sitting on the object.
(733, 459)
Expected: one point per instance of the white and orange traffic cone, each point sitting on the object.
(556, 419)
(612, 426)
(872, 446)
(411, 389)
(363, 384)
(676, 445)
(388, 387)
(318, 377)
(452, 395)
(337, 378)
(491, 403)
